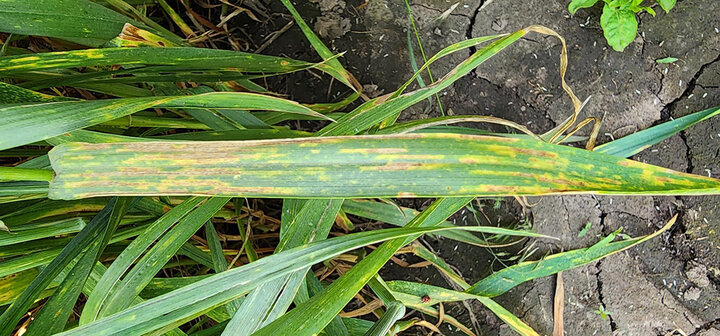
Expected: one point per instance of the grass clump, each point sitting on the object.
(149, 186)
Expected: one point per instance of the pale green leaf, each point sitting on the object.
(666, 60)
(667, 5)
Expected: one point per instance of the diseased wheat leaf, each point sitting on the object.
(80, 21)
(157, 60)
(410, 165)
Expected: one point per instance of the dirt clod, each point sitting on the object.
(692, 294)
(697, 273)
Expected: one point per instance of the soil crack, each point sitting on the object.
(705, 327)
(613, 326)
(599, 282)
(691, 83)
(686, 93)
(473, 18)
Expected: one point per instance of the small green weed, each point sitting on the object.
(604, 314)
(618, 18)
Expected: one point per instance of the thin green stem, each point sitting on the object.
(143, 121)
(422, 52)
(25, 174)
(177, 19)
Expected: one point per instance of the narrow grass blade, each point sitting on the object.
(93, 137)
(174, 308)
(511, 320)
(49, 208)
(369, 166)
(218, 258)
(332, 65)
(453, 48)
(637, 142)
(25, 174)
(29, 123)
(313, 315)
(193, 252)
(273, 118)
(312, 222)
(440, 264)
(377, 110)
(236, 135)
(54, 314)
(400, 216)
(325, 108)
(35, 231)
(219, 263)
(503, 280)
(160, 286)
(22, 191)
(210, 117)
(106, 289)
(337, 326)
(26, 262)
(11, 94)
(395, 310)
(156, 122)
(411, 294)
(12, 315)
(416, 125)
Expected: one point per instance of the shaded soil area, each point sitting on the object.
(667, 286)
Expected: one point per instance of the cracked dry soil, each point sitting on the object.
(667, 286)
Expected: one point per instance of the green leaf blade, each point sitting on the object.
(578, 4)
(507, 278)
(370, 166)
(619, 27)
(635, 143)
